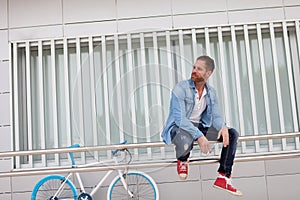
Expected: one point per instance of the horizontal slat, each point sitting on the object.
(131, 146)
(166, 163)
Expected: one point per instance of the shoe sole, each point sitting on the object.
(182, 177)
(238, 193)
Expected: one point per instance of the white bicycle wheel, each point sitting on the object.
(141, 185)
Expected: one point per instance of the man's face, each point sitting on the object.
(199, 73)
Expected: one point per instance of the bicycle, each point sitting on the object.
(126, 185)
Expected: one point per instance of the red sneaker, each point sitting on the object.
(182, 169)
(224, 183)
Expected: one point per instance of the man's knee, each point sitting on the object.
(233, 134)
(183, 142)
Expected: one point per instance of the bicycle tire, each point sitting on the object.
(140, 184)
(48, 186)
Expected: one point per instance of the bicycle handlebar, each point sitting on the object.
(71, 154)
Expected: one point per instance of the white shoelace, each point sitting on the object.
(228, 180)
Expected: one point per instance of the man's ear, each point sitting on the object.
(209, 73)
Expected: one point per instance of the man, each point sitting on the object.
(193, 110)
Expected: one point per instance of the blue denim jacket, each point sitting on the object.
(182, 105)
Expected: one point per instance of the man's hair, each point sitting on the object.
(210, 63)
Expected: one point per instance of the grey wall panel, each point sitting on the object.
(180, 190)
(5, 142)
(249, 169)
(261, 15)
(5, 185)
(196, 6)
(288, 166)
(292, 12)
(4, 50)
(291, 2)
(209, 172)
(249, 4)
(21, 196)
(196, 20)
(137, 8)
(93, 10)
(5, 164)
(18, 185)
(4, 77)
(3, 14)
(145, 24)
(283, 187)
(5, 109)
(36, 33)
(34, 13)
(5, 196)
(87, 29)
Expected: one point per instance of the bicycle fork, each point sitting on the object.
(124, 183)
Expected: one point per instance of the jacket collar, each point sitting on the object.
(192, 85)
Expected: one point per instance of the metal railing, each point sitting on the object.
(146, 164)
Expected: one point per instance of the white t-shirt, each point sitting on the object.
(199, 107)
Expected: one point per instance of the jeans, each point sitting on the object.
(227, 154)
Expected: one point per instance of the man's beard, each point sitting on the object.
(197, 78)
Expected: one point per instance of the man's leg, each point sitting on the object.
(183, 145)
(226, 162)
(228, 153)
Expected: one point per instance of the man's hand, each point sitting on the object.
(225, 135)
(204, 145)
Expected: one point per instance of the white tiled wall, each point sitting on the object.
(291, 2)
(34, 13)
(93, 10)
(137, 8)
(250, 4)
(4, 77)
(292, 12)
(283, 187)
(36, 32)
(3, 14)
(260, 15)
(195, 6)
(196, 20)
(5, 109)
(4, 50)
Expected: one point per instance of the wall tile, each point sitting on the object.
(4, 77)
(25, 183)
(5, 142)
(3, 14)
(251, 16)
(142, 8)
(94, 10)
(4, 185)
(198, 20)
(291, 2)
(249, 4)
(5, 164)
(36, 33)
(194, 6)
(21, 196)
(292, 12)
(34, 13)
(145, 24)
(5, 109)
(4, 50)
(283, 166)
(86, 29)
(5, 196)
(283, 187)
(180, 190)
